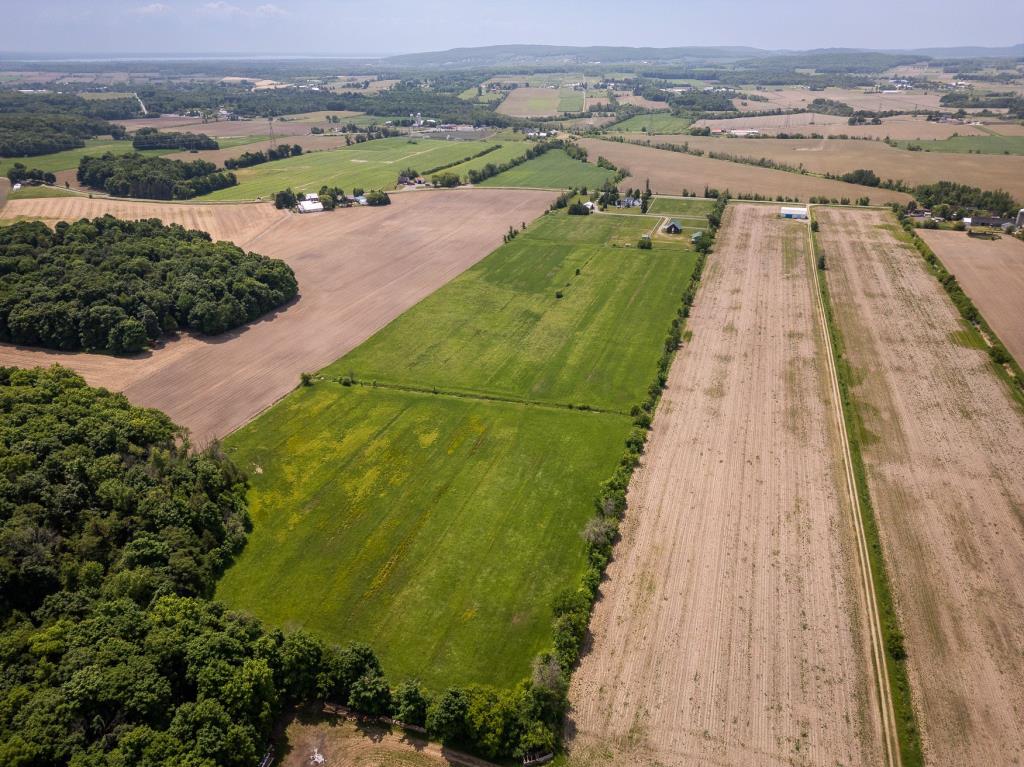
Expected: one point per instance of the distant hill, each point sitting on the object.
(517, 55)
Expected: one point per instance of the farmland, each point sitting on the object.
(370, 165)
(731, 629)
(671, 172)
(971, 144)
(552, 170)
(454, 498)
(357, 270)
(898, 127)
(680, 207)
(69, 158)
(942, 443)
(838, 156)
(992, 274)
(653, 123)
(531, 102)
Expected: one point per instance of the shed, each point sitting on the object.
(696, 236)
(787, 212)
(675, 226)
(308, 206)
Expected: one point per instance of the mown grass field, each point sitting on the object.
(508, 150)
(688, 208)
(970, 144)
(552, 170)
(597, 345)
(653, 123)
(370, 165)
(570, 100)
(438, 527)
(29, 192)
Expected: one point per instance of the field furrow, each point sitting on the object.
(943, 444)
(731, 629)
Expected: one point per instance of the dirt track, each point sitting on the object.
(670, 172)
(357, 269)
(731, 630)
(992, 273)
(944, 456)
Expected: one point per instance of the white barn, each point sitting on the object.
(308, 206)
(787, 212)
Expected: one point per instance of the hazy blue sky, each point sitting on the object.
(400, 26)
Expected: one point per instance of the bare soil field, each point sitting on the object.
(992, 273)
(899, 128)
(670, 172)
(858, 98)
(943, 445)
(841, 156)
(346, 741)
(220, 128)
(357, 269)
(641, 101)
(1006, 129)
(731, 628)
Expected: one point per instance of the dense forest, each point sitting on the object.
(118, 286)
(40, 123)
(154, 178)
(113, 534)
(151, 138)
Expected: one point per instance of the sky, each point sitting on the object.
(348, 27)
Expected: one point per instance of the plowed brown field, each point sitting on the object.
(992, 273)
(944, 451)
(899, 127)
(731, 628)
(670, 172)
(357, 269)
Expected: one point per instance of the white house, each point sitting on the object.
(308, 206)
(311, 197)
(787, 212)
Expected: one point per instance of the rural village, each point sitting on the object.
(512, 405)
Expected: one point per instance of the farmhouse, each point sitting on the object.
(788, 212)
(674, 226)
(629, 202)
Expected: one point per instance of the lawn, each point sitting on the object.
(653, 123)
(552, 170)
(370, 165)
(969, 144)
(683, 208)
(597, 345)
(438, 527)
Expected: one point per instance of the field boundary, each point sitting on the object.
(902, 735)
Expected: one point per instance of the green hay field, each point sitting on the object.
(570, 100)
(684, 208)
(370, 165)
(509, 148)
(552, 170)
(422, 515)
(970, 144)
(659, 123)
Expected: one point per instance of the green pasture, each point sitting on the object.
(509, 149)
(570, 100)
(420, 513)
(597, 345)
(29, 192)
(552, 170)
(970, 144)
(686, 208)
(437, 529)
(659, 122)
(370, 165)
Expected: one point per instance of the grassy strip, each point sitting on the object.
(572, 609)
(1007, 368)
(907, 731)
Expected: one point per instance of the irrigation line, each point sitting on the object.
(892, 749)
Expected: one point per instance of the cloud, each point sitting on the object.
(153, 9)
(225, 9)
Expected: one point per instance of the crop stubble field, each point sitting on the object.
(943, 445)
(898, 127)
(357, 270)
(992, 273)
(731, 627)
(434, 508)
(670, 172)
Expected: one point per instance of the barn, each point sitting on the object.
(787, 212)
(675, 226)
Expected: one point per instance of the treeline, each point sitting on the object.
(154, 178)
(68, 104)
(258, 157)
(151, 138)
(961, 198)
(475, 175)
(970, 100)
(119, 286)
(830, 107)
(20, 172)
(28, 135)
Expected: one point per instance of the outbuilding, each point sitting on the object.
(788, 212)
(675, 226)
(308, 206)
